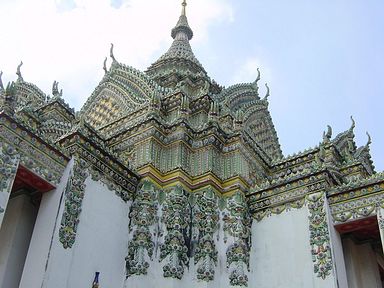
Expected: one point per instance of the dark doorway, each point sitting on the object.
(363, 253)
(18, 224)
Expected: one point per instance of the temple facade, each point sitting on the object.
(164, 178)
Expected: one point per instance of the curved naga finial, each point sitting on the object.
(1, 81)
(257, 78)
(268, 92)
(369, 142)
(327, 136)
(258, 75)
(105, 65)
(254, 83)
(329, 132)
(55, 88)
(353, 124)
(18, 71)
(111, 53)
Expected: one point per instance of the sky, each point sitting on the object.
(323, 60)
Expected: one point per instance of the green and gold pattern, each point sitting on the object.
(195, 162)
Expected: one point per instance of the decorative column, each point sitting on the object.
(9, 161)
(176, 218)
(237, 222)
(143, 216)
(74, 194)
(380, 220)
(205, 223)
(319, 235)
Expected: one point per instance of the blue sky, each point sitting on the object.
(323, 60)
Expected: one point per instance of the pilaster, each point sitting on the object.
(9, 161)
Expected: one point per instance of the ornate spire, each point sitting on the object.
(180, 55)
(182, 25)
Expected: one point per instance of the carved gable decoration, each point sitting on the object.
(122, 91)
(110, 105)
(244, 100)
(28, 94)
(258, 124)
(239, 96)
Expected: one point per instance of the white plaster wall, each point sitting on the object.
(101, 243)
(42, 237)
(102, 239)
(15, 236)
(281, 253)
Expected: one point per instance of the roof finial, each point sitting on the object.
(353, 124)
(95, 283)
(55, 89)
(258, 76)
(369, 142)
(182, 25)
(18, 72)
(105, 65)
(111, 53)
(327, 136)
(254, 83)
(184, 4)
(268, 92)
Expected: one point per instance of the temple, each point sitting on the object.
(165, 178)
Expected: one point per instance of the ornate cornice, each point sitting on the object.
(193, 184)
(105, 165)
(276, 199)
(357, 199)
(35, 154)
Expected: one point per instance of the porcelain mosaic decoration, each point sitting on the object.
(74, 194)
(319, 235)
(195, 163)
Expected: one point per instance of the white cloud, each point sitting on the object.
(67, 40)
